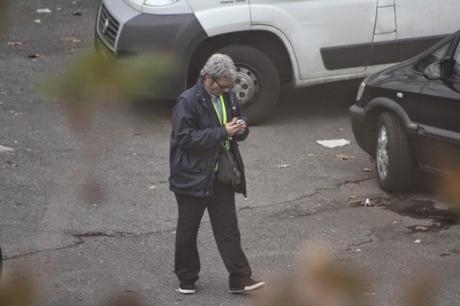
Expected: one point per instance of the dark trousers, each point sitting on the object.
(222, 214)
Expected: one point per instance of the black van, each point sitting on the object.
(408, 116)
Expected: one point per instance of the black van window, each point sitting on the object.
(457, 62)
(434, 57)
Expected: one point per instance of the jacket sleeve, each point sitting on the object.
(187, 134)
(239, 137)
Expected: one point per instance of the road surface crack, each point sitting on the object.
(86, 235)
(75, 244)
(355, 247)
(307, 196)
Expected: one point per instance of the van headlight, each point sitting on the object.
(159, 2)
(361, 88)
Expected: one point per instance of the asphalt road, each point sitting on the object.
(84, 244)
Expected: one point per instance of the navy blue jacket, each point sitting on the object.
(196, 139)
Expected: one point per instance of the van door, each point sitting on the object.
(329, 37)
(423, 23)
(222, 16)
(439, 141)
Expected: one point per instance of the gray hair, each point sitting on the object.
(219, 66)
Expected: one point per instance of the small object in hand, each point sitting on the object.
(240, 121)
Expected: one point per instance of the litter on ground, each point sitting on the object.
(333, 143)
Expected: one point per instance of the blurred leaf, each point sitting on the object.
(319, 280)
(4, 15)
(17, 290)
(96, 80)
(99, 78)
(421, 292)
(450, 188)
(124, 300)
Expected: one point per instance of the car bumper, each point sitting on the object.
(359, 128)
(132, 33)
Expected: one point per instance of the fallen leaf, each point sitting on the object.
(77, 13)
(38, 21)
(72, 39)
(14, 43)
(344, 157)
(10, 163)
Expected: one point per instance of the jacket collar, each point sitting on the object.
(202, 95)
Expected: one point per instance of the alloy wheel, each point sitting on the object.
(382, 153)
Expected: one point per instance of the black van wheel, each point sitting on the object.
(257, 84)
(394, 162)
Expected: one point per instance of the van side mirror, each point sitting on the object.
(433, 71)
(440, 70)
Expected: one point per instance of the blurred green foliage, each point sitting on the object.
(96, 77)
(4, 13)
(18, 290)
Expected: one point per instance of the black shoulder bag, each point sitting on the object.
(227, 168)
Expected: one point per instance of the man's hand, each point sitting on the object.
(243, 126)
(235, 128)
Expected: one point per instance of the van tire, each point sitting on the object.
(253, 60)
(392, 146)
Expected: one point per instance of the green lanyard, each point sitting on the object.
(224, 111)
(223, 120)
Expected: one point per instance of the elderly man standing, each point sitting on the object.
(207, 120)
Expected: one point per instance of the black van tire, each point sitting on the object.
(254, 60)
(400, 167)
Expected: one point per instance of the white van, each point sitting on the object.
(274, 42)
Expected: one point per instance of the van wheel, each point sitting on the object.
(393, 157)
(257, 84)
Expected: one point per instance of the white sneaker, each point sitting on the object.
(186, 289)
(247, 286)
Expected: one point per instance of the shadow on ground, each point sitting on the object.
(325, 100)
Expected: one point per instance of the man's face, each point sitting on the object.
(218, 86)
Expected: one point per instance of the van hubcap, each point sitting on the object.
(247, 86)
(382, 153)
